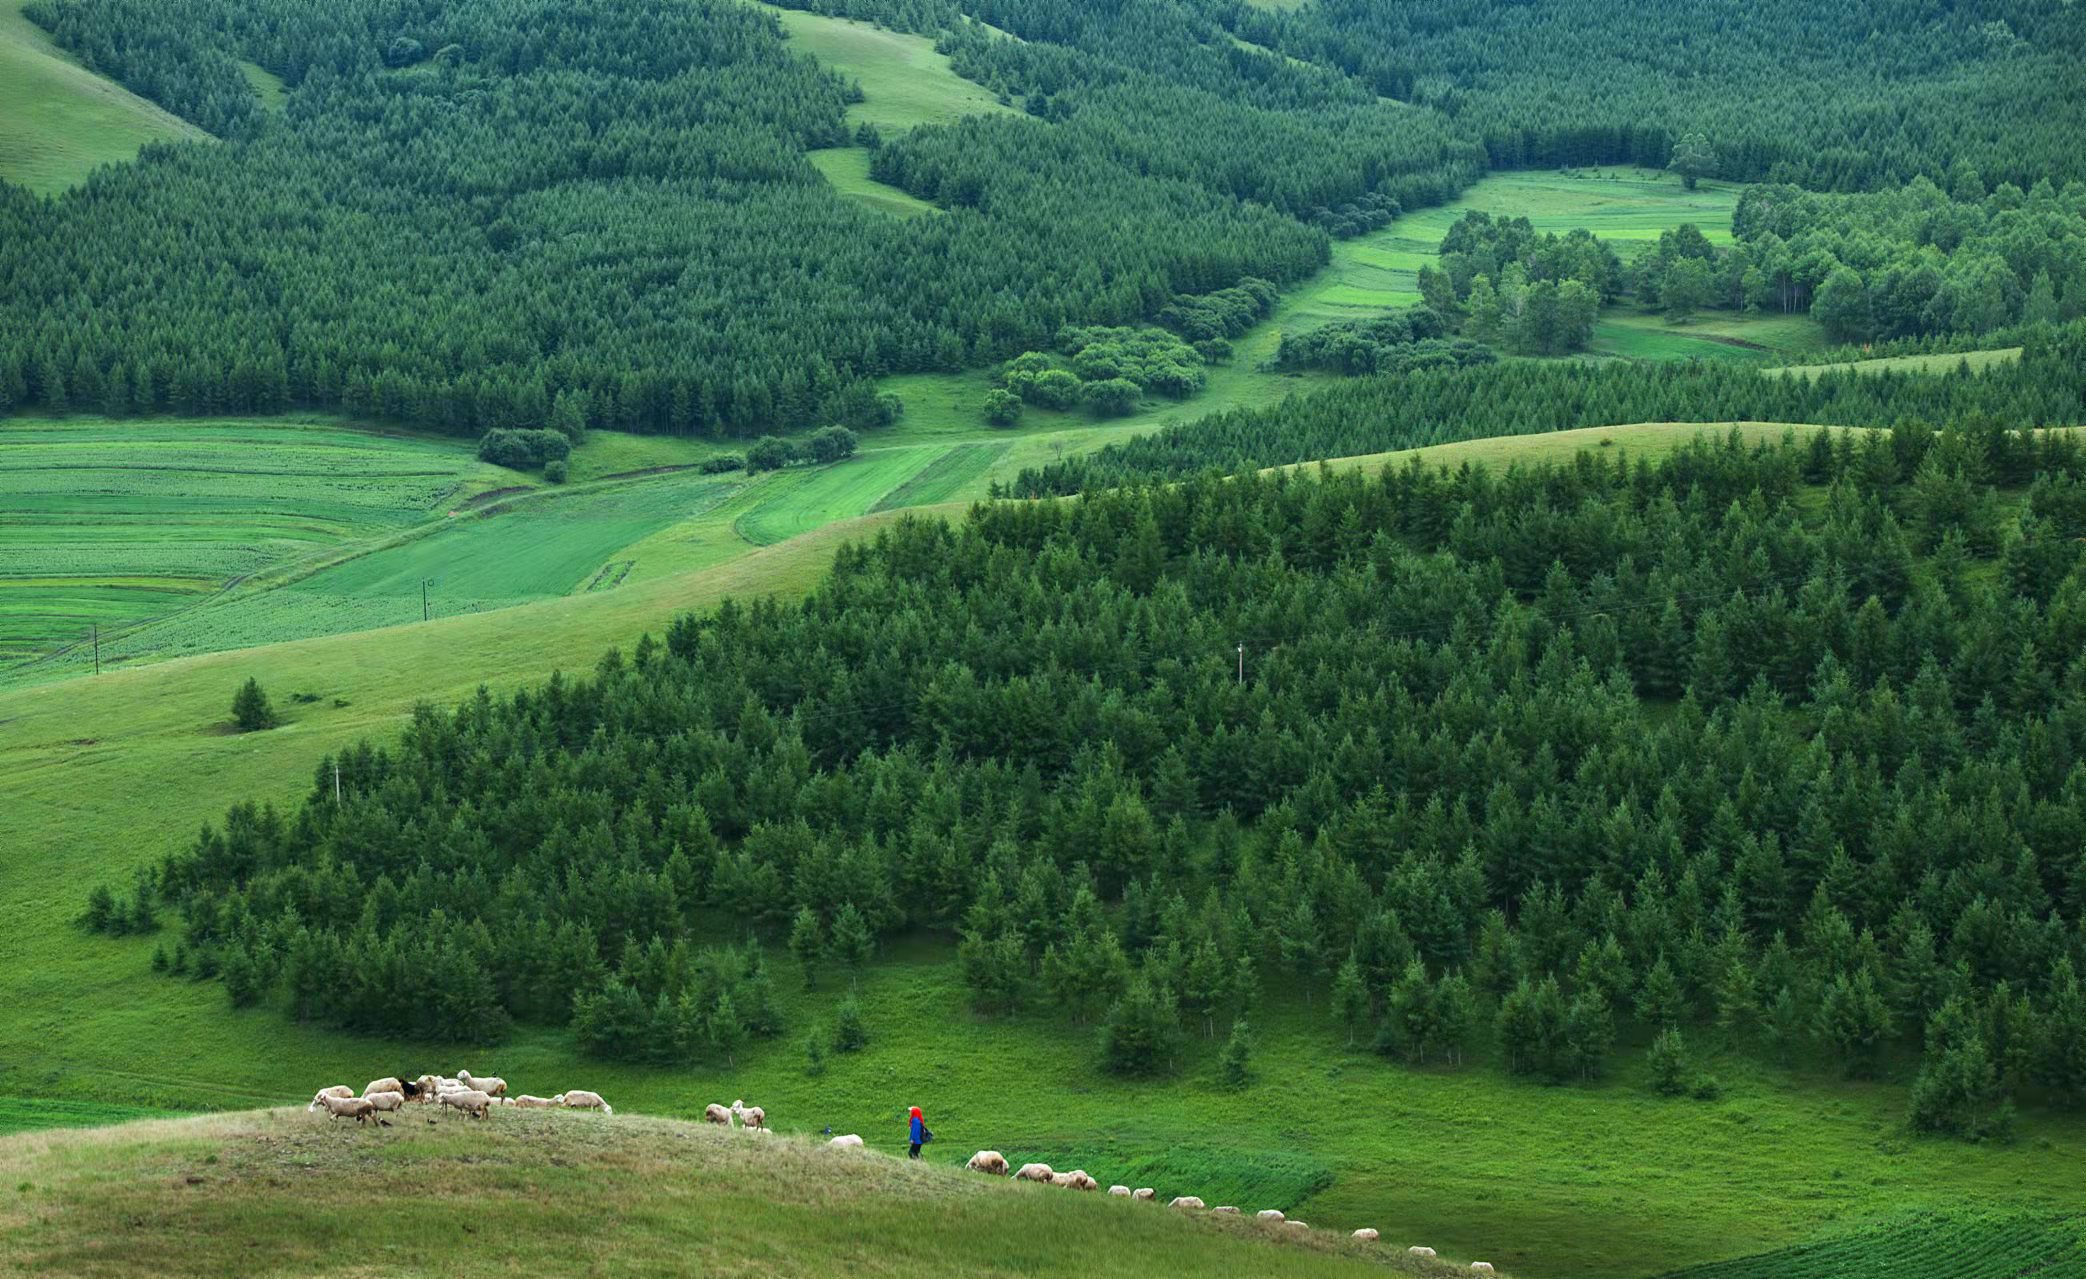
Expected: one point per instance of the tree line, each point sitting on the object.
(1772, 747)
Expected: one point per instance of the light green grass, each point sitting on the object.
(113, 523)
(847, 168)
(801, 499)
(1633, 333)
(58, 120)
(531, 1192)
(1650, 440)
(1617, 204)
(1956, 1245)
(267, 86)
(1946, 362)
(904, 81)
(30, 1114)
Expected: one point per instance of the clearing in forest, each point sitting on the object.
(904, 81)
(1939, 362)
(62, 120)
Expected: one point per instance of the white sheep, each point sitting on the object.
(330, 1090)
(388, 1083)
(386, 1103)
(527, 1102)
(716, 1114)
(992, 1162)
(1144, 1193)
(1417, 1251)
(1271, 1214)
(1033, 1172)
(1119, 1192)
(490, 1085)
(1186, 1201)
(581, 1099)
(1481, 1267)
(469, 1100)
(1367, 1234)
(749, 1116)
(358, 1109)
(1227, 1209)
(847, 1141)
(1294, 1224)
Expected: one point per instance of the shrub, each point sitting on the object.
(555, 472)
(830, 444)
(721, 463)
(1113, 397)
(1234, 1067)
(250, 708)
(769, 454)
(850, 1032)
(1142, 1035)
(1671, 1075)
(523, 450)
(1050, 389)
(1002, 408)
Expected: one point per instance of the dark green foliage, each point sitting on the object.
(1672, 1071)
(1002, 407)
(1395, 343)
(769, 453)
(721, 463)
(1235, 1064)
(1960, 1245)
(523, 450)
(829, 444)
(850, 1031)
(1142, 1035)
(1374, 415)
(251, 711)
(1456, 776)
(555, 472)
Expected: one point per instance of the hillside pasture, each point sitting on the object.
(62, 120)
(847, 168)
(283, 1192)
(1956, 1244)
(1940, 362)
(904, 81)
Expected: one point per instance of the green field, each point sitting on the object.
(847, 168)
(1956, 1245)
(283, 1193)
(59, 120)
(112, 524)
(28, 1114)
(904, 81)
(1945, 362)
(1586, 1181)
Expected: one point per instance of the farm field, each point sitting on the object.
(62, 120)
(210, 1195)
(1589, 1172)
(1962, 1246)
(110, 524)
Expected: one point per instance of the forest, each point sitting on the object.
(467, 211)
(2046, 387)
(1518, 760)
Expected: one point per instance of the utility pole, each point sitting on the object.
(336, 783)
(423, 599)
(97, 648)
(1242, 665)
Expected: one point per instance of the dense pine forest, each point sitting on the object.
(469, 210)
(2047, 387)
(1770, 745)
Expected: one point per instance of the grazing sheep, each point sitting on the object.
(1082, 1180)
(848, 1141)
(1144, 1192)
(1271, 1214)
(490, 1085)
(1119, 1192)
(386, 1084)
(1033, 1172)
(386, 1103)
(424, 1090)
(749, 1116)
(1366, 1234)
(1186, 1201)
(331, 1090)
(469, 1100)
(990, 1161)
(716, 1114)
(1226, 1208)
(1481, 1267)
(526, 1102)
(581, 1099)
(1297, 1225)
(358, 1109)
(1417, 1251)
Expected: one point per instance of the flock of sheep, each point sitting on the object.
(476, 1095)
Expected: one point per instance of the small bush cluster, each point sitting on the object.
(523, 450)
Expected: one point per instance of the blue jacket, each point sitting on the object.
(919, 1130)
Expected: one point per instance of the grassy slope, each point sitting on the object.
(1939, 363)
(1955, 1245)
(61, 120)
(98, 775)
(1639, 440)
(566, 1193)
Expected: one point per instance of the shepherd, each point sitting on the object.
(921, 1133)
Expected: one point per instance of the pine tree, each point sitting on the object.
(853, 945)
(850, 1031)
(1234, 1066)
(1589, 1035)
(250, 708)
(1142, 1035)
(1350, 997)
(1671, 1073)
(807, 943)
(1855, 1023)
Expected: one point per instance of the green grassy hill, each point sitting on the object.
(98, 775)
(61, 120)
(285, 1192)
(1954, 1245)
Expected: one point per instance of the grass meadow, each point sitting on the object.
(63, 120)
(904, 81)
(284, 1192)
(1940, 362)
(98, 775)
